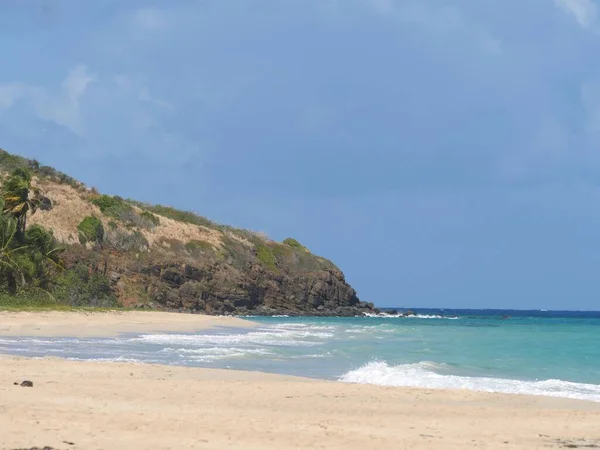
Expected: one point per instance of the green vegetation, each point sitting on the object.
(90, 230)
(199, 248)
(177, 215)
(114, 207)
(32, 273)
(27, 257)
(84, 287)
(9, 163)
(282, 252)
(266, 257)
(152, 220)
(54, 175)
(17, 199)
(122, 210)
(294, 243)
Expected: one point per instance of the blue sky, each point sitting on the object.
(444, 153)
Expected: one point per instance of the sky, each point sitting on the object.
(444, 153)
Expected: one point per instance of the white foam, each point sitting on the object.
(413, 316)
(276, 336)
(212, 354)
(37, 341)
(423, 375)
(359, 329)
(115, 359)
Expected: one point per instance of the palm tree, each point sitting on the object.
(11, 270)
(43, 246)
(17, 200)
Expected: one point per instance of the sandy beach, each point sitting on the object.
(109, 323)
(118, 406)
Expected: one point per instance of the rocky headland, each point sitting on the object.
(116, 251)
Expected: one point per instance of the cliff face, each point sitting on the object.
(158, 257)
(222, 289)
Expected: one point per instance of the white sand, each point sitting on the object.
(105, 324)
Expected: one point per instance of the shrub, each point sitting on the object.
(46, 171)
(198, 248)
(181, 216)
(294, 243)
(266, 257)
(90, 230)
(28, 298)
(124, 241)
(282, 252)
(144, 220)
(40, 238)
(81, 286)
(10, 162)
(114, 207)
(236, 253)
(150, 219)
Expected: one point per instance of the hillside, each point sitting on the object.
(151, 256)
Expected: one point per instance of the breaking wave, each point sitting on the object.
(211, 354)
(413, 316)
(286, 335)
(424, 375)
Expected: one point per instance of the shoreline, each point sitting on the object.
(98, 324)
(90, 324)
(124, 405)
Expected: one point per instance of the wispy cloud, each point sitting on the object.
(83, 112)
(584, 11)
(61, 107)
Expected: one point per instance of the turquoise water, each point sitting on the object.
(540, 353)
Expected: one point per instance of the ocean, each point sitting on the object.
(552, 353)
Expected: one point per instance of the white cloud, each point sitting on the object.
(61, 107)
(82, 111)
(76, 82)
(584, 11)
(9, 93)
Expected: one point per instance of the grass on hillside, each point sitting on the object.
(247, 245)
(43, 303)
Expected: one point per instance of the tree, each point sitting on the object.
(11, 270)
(18, 201)
(29, 264)
(43, 250)
(90, 230)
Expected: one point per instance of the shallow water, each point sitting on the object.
(534, 352)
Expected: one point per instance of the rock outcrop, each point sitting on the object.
(222, 289)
